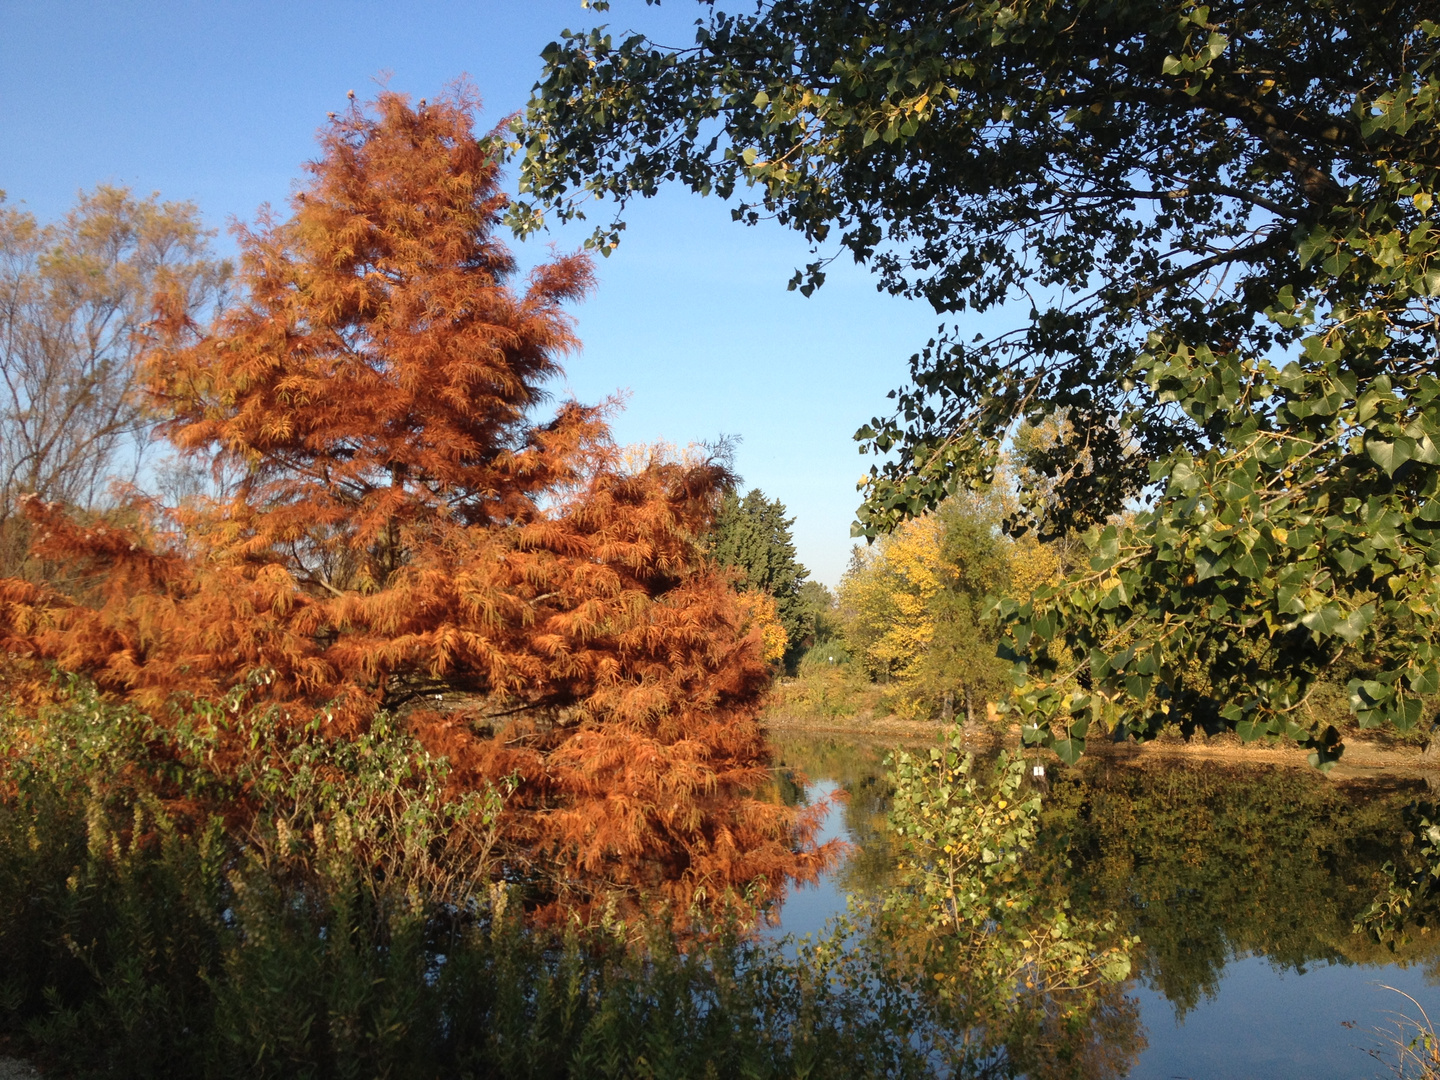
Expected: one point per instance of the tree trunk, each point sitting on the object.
(392, 526)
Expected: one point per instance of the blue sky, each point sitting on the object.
(219, 103)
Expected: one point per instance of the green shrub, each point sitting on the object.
(824, 654)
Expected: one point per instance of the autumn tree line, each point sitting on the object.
(912, 627)
(916, 626)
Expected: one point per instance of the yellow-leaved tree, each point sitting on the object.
(918, 605)
(886, 599)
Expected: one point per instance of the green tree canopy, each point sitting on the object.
(752, 534)
(819, 601)
(1215, 226)
(918, 606)
(978, 564)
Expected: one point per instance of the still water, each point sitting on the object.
(1242, 883)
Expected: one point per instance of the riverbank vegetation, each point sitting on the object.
(420, 735)
(224, 894)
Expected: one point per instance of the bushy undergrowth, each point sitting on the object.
(320, 908)
(827, 685)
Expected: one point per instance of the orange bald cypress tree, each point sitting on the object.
(405, 528)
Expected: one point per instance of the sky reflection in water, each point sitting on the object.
(1265, 1022)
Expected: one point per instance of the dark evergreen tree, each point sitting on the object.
(752, 534)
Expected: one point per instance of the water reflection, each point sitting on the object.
(1243, 885)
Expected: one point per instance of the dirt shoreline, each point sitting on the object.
(1361, 758)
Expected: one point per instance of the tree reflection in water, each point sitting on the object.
(1201, 862)
(955, 910)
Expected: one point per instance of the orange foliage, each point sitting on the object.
(405, 530)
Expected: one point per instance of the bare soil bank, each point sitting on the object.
(1362, 757)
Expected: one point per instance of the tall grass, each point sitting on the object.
(1413, 1047)
(827, 685)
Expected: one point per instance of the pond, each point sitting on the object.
(1242, 883)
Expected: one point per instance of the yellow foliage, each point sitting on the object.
(1033, 566)
(886, 598)
(761, 611)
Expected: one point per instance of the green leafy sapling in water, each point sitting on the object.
(963, 840)
(971, 874)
